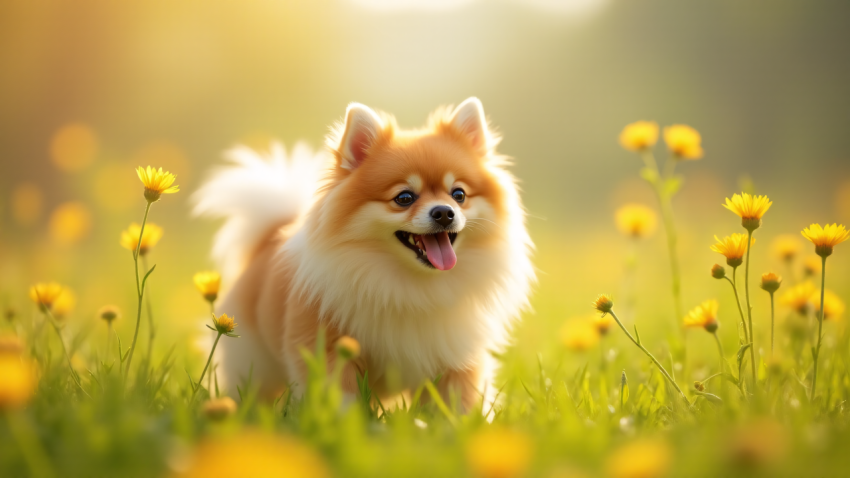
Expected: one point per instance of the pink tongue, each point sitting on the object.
(439, 250)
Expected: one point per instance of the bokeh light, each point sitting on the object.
(74, 147)
(27, 204)
(70, 223)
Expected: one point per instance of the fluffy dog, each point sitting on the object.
(413, 242)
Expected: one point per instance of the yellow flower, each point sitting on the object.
(636, 220)
(703, 315)
(798, 298)
(646, 458)
(64, 304)
(208, 284)
(109, 313)
(254, 454)
(499, 453)
(603, 303)
(45, 295)
(157, 182)
(224, 324)
(579, 335)
(219, 408)
(812, 266)
(833, 306)
(683, 141)
(603, 324)
(733, 248)
(787, 246)
(757, 444)
(639, 136)
(750, 208)
(151, 236)
(825, 238)
(770, 282)
(18, 383)
(348, 347)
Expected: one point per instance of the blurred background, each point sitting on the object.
(91, 89)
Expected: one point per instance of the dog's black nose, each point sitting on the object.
(443, 215)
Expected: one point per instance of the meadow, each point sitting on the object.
(633, 379)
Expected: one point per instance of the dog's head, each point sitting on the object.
(426, 197)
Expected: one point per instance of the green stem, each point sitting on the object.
(140, 291)
(750, 307)
(209, 359)
(651, 357)
(152, 334)
(771, 324)
(733, 283)
(816, 351)
(722, 360)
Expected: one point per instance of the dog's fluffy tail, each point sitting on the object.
(256, 194)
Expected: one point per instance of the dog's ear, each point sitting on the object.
(469, 119)
(362, 127)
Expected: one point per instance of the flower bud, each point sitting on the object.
(348, 347)
(699, 386)
(603, 303)
(770, 282)
(718, 271)
(109, 313)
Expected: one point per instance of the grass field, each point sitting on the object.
(577, 396)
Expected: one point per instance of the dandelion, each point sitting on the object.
(223, 325)
(257, 455)
(636, 220)
(348, 347)
(798, 298)
(46, 294)
(703, 315)
(639, 136)
(208, 284)
(787, 247)
(499, 453)
(833, 306)
(603, 303)
(749, 208)
(683, 141)
(647, 458)
(812, 266)
(219, 408)
(579, 335)
(733, 247)
(157, 182)
(18, 383)
(770, 282)
(150, 237)
(826, 238)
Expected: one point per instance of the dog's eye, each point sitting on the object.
(405, 199)
(459, 195)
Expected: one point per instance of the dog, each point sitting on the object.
(413, 242)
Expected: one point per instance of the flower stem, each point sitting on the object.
(139, 292)
(771, 324)
(209, 359)
(651, 357)
(733, 283)
(816, 351)
(722, 360)
(666, 204)
(152, 334)
(65, 352)
(750, 307)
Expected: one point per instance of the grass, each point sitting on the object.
(598, 407)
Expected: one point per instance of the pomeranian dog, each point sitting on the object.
(413, 242)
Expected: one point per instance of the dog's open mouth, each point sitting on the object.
(433, 250)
